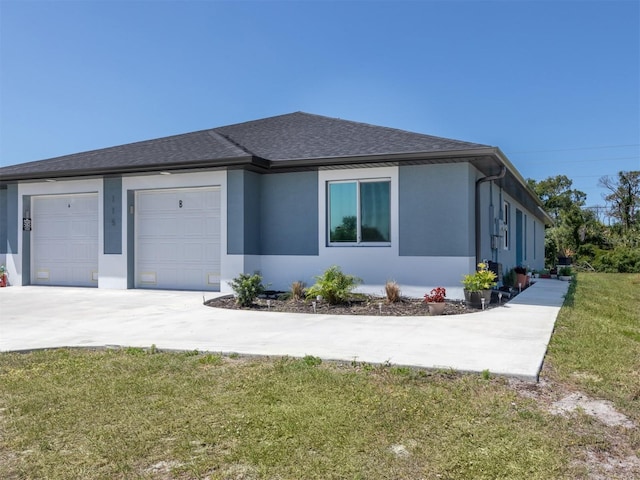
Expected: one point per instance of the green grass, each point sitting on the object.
(596, 344)
(120, 413)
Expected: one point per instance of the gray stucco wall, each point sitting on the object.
(26, 242)
(131, 239)
(273, 214)
(13, 219)
(112, 218)
(289, 214)
(489, 212)
(3, 220)
(436, 210)
(532, 239)
(243, 212)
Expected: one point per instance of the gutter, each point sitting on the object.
(503, 172)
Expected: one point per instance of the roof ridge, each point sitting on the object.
(369, 125)
(212, 131)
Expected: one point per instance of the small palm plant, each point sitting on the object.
(333, 286)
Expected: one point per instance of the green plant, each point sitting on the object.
(297, 290)
(247, 288)
(509, 278)
(392, 290)
(211, 359)
(483, 279)
(565, 271)
(311, 361)
(333, 286)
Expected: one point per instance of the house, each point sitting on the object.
(288, 195)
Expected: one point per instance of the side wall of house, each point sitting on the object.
(509, 233)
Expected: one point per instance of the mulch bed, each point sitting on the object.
(365, 305)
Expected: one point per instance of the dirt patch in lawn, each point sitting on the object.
(614, 455)
(363, 305)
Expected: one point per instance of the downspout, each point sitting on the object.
(503, 172)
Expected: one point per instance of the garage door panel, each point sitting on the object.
(51, 228)
(192, 227)
(192, 252)
(155, 226)
(156, 201)
(64, 240)
(173, 244)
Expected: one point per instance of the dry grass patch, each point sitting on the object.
(131, 414)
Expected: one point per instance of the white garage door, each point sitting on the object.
(64, 240)
(178, 239)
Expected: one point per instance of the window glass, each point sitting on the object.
(359, 211)
(374, 211)
(343, 211)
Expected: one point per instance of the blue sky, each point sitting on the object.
(554, 84)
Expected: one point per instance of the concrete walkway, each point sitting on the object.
(509, 340)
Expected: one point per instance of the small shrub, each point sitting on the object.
(392, 290)
(311, 361)
(247, 288)
(333, 286)
(565, 271)
(211, 359)
(297, 290)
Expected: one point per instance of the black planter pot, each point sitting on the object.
(565, 260)
(475, 298)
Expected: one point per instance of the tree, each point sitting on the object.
(557, 195)
(624, 197)
(564, 204)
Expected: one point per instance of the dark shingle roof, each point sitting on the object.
(168, 151)
(302, 135)
(295, 136)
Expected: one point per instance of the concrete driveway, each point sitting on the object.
(509, 340)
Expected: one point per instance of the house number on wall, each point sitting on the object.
(180, 203)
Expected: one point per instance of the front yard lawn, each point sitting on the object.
(135, 413)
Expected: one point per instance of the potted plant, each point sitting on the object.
(435, 300)
(522, 279)
(565, 274)
(478, 286)
(4, 276)
(545, 273)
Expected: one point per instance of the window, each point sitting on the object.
(525, 237)
(359, 212)
(506, 211)
(535, 240)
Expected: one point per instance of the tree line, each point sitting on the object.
(578, 232)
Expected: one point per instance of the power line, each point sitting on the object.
(578, 148)
(590, 160)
